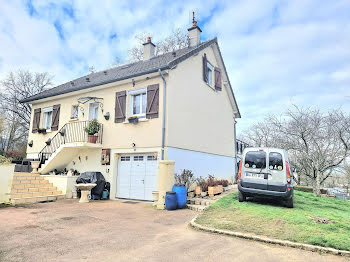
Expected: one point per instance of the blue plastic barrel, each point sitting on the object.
(170, 200)
(181, 195)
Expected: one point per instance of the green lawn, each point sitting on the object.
(272, 219)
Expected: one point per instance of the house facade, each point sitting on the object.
(177, 106)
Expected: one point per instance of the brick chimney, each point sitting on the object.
(148, 49)
(194, 34)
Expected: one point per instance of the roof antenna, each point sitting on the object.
(193, 17)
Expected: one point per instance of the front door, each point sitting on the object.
(137, 176)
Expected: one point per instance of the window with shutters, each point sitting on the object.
(47, 118)
(138, 102)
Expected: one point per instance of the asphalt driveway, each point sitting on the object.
(117, 231)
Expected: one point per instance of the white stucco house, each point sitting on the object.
(183, 105)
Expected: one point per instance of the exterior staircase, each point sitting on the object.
(32, 188)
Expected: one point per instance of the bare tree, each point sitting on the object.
(317, 143)
(18, 86)
(15, 87)
(175, 41)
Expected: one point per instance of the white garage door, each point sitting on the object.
(137, 176)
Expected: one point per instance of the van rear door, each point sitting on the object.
(277, 179)
(254, 170)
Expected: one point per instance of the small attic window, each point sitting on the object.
(87, 79)
(126, 66)
(72, 83)
(105, 72)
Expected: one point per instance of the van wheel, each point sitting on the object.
(241, 197)
(290, 202)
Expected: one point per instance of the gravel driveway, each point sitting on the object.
(124, 231)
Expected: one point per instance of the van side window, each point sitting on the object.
(275, 161)
(255, 159)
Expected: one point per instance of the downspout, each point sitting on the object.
(235, 146)
(164, 106)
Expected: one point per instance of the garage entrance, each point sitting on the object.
(137, 176)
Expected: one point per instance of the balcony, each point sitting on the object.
(71, 135)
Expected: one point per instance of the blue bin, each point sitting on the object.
(170, 200)
(181, 195)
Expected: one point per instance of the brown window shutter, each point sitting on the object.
(152, 110)
(217, 79)
(36, 120)
(205, 68)
(120, 107)
(55, 117)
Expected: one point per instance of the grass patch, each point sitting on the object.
(272, 219)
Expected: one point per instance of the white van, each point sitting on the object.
(265, 172)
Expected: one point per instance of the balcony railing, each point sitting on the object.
(69, 133)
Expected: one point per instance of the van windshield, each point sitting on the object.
(256, 159)
(275, 161)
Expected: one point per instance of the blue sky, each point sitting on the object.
(277, 52)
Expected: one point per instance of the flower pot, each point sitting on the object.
(35, 166)
(42, 131)
(133, 120)
(204, 194)
(198, 190)
(214, 190)
(92, 139)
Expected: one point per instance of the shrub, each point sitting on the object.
(93, 127)
(202, 182)
(223, 182)
(309, 189)
(4, 160)
(186, 178)
(212, 181)
(14, 155)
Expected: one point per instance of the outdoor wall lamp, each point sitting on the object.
(48, 142)
(107, 116)
(133, 144)
(30, 143)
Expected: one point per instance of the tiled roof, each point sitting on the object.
(164, 61)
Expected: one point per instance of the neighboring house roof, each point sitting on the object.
(164, 61)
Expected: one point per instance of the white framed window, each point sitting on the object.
(47, 119)
(210, 74)
(93, 111)
(138, 102)
(75, 111)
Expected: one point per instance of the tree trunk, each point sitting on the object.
(317, 184)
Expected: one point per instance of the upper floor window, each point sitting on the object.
(138, 102)
(93, 111)
(75, 111)
(47, 121)
(210, 74)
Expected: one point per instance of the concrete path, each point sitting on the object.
(115, 231)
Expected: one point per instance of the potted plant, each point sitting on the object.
(213, 186)
(198, 189)
(42, 130)
(133, 119)
(204, 188)
(92, 129)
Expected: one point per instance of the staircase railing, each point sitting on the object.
(70, 133)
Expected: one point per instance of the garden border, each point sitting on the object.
(270, 240)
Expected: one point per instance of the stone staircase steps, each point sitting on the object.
(31, 188)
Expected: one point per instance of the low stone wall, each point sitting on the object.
(63, 183)
(6, 177)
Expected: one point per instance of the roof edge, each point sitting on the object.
(29, 99)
